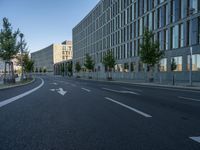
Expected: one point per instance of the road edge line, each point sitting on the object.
(10, 100)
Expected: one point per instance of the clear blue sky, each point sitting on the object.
(44, 22)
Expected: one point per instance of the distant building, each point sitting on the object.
(52, 54)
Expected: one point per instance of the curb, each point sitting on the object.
(9, 87)
(146, 84)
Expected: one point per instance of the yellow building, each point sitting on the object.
(47, 57)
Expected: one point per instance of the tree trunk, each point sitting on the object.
(151, 76)
(4, 76)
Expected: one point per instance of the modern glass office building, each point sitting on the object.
(118, 25)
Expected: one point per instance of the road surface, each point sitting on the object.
(56, 113)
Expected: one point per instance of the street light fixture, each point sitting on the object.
(191, 11)
(22, 75)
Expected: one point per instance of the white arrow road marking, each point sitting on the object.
(130, 108)
(61, 91)
(6, 102)
(197, 139)
(86, 89)
(123, 92)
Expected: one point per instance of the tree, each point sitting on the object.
(89, 63)
(150, 52)
(78, 68)
(40, 70)
(44, 70)
(109, 62)
(62, 70)
(173, 68)
(9, 47)
(69, 68)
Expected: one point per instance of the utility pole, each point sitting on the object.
(22, 75)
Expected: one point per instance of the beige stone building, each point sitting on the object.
(52, 54)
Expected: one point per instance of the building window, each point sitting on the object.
(133, 66)
(126, 67)
(141, 67)
(172, 11)
(166, 42)
(195, 62)
(175, 36)
(194, 5)
(178, 61)
(188, 33)
(163, 65)
(181, 35)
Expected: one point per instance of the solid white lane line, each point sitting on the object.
(196, 139)
(10, 100)
(123, 92)
(130, 108)
(86, 89)
(187, 98)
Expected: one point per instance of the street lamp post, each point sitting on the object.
(191, 11)
(190, 76)
(22, 75)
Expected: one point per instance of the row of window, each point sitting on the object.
(179, 63)
(132, 67)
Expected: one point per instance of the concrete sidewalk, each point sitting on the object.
(183, 85)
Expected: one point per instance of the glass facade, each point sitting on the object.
(178, 61)
(163, 65)
(118, 25)
(195, 62)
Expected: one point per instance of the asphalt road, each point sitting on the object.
(56, 113)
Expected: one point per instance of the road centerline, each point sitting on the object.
(129, 107)
(10, 100)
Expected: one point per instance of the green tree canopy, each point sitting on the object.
(77, 67)
(109, 60)
(9, 46)
(89, 63)
(150, 52)
(28, 63)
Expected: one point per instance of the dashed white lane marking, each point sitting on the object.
(86, 89)
(196, 139)
(123, 92)
(130, 108)
(187, 98)
(10, 100)
(74, 85)
(132, 89)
